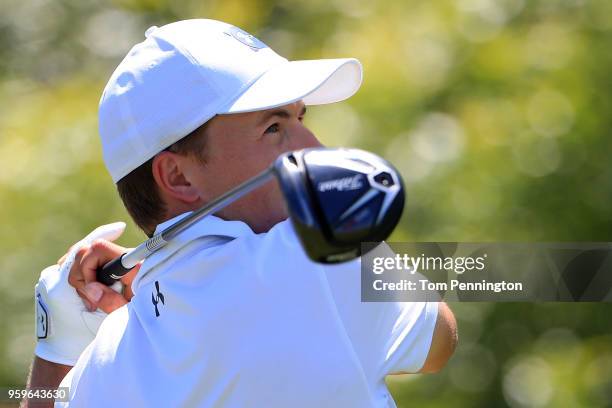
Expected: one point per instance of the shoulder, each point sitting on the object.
(275, 247)
(281, 235)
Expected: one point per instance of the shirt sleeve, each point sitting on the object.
(388, 337)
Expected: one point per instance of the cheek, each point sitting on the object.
(256, 157)
(235, 163)
(221, 176)
(267, 200)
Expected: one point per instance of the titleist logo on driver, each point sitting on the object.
(342, 184)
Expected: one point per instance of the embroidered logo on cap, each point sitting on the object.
(246, 38)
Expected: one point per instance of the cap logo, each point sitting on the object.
(246, 38)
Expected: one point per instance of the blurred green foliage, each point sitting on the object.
(497, 112)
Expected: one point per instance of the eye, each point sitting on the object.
(275, 128)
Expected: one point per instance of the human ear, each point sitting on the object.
(172, 178)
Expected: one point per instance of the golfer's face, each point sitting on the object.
(240, 146)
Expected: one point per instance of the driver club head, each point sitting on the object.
(338, 198)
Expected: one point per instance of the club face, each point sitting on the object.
(339, 198)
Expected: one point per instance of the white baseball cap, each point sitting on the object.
(185, 73)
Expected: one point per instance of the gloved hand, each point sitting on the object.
(64, 325)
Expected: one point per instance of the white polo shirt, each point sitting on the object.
(224, 317)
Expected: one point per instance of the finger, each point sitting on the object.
(88, 305)
(63, 258)
(76, 280)
(108, 299)
(127, 279)
(109, 232)
(75, 275)
(99, 253)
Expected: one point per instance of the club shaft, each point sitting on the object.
(159, 240)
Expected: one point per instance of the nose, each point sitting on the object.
(307, 138)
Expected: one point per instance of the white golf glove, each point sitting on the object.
(64, 326)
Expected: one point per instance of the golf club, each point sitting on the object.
(336, 198)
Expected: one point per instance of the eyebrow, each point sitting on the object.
(279, 112)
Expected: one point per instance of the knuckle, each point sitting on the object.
(75, 271)
(81, 252)
(74, 277)
(84, 297)
(99, 244)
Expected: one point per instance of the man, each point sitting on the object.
(232, 313)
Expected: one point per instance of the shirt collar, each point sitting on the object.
(209, 226)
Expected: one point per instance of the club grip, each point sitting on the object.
(111, 272)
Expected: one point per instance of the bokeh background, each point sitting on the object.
(497, 112)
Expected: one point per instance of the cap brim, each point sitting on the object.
(315, 82)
